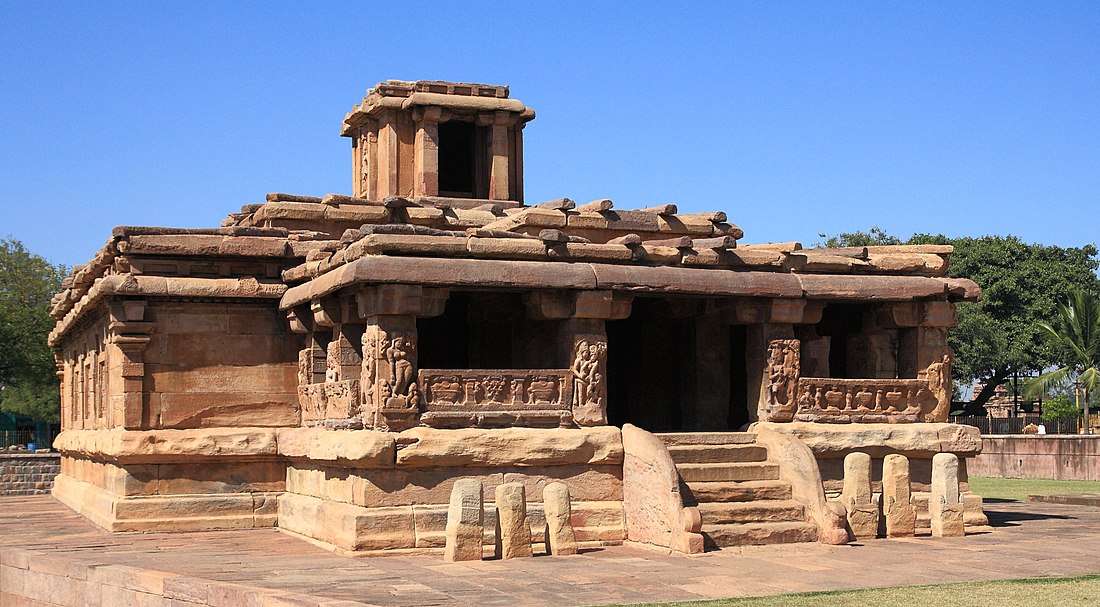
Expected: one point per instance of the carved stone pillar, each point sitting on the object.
(758, 345)
(129, 332)
(390, 392)
(923, 352)
(426, 151)
(583, 343)
(499, 172)
(385, 178)
(814, 355)
(707, 388)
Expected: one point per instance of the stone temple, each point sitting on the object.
(333, 366)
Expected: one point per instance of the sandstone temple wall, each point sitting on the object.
(219, 364)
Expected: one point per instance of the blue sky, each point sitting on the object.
(795, 118)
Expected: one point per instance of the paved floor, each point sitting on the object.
(1029, 539)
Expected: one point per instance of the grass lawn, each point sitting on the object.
(1034, 592)
(1017, 489)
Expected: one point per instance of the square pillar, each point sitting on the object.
(763, 363)
(385, 177)
(499, 151)
(587, 342)
(390, 392)
(708, 381)
(388, 372)
(426, 151)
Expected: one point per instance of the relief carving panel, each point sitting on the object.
(458, 398)
(823, 399)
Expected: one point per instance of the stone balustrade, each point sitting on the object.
(823, 399)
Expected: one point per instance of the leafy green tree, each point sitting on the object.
(1022, 284)
(28, 384)
(1076, 327)
(874, 236)
(1060, 409)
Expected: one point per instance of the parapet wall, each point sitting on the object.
(28, 473)
(1056, 457)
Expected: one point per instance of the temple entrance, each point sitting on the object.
(672, 367)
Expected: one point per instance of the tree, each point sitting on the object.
(1022, 284)
(1060, 409)
(874, 236)
(28, 383)
(1076, 327)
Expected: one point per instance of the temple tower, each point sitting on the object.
(438, 139)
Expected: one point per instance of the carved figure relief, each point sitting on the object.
(939, 384)
(370, 364)
(587, 369)
(783, 370)
(401, 368)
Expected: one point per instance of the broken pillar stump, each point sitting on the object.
(857, 497)
(560, 538)
(897, 497)
(513, 530)
(465, 520)
(945, 507)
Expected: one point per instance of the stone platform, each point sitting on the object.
(71, 562)
(1075, 499)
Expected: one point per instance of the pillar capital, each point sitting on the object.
(397, 300)
(559, 305)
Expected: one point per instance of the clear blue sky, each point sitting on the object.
(795, 118)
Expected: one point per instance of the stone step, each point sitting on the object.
(764, 511)
(751, 534)
(714, 454)
(737, 471)
(738, 491)
(707, 438)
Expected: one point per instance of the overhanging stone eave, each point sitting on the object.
(487, 273)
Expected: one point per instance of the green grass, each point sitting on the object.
(1017, 489)
(1032, 592)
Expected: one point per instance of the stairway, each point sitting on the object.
(737, 490)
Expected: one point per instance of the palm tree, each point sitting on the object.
(1076, 326)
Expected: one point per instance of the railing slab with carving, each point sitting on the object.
(462, 398)
(824, 399)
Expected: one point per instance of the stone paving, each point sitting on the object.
(1029, 539)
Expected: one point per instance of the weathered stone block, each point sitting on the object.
(560, 538)
(513, 531)
(945, 506)
(464, 522)
(857, 497)
(897, 502)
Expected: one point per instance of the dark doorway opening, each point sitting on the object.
(457, 159)
(487, 330)
(668, 371)
(739, 378)
(838, 322)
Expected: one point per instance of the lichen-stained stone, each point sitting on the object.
(464, 522)
(897, 502)
(945, 506)
(857, 497)
(513, 531)
(560, 538)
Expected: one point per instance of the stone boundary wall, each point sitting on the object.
(28, 473)
(29, 578)
(1048, 456)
